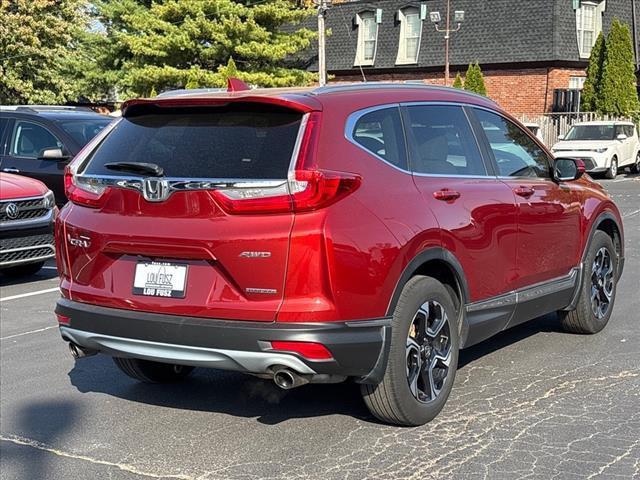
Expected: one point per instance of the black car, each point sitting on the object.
(38, 141)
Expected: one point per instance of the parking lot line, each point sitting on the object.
(29, 332)
(631, 214)
(30, 294)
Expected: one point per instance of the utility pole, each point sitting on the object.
(458, 19)
(323, 6)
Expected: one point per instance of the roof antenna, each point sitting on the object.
(236, 85)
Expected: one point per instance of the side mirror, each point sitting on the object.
(621, 137)
(53, 154)
(568, 169)
(560, 137)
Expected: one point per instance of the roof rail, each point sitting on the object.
(345, 87)
(44, 108)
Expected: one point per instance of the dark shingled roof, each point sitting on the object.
(495, 32)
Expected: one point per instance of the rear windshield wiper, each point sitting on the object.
(136, 167)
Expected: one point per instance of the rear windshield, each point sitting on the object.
(238, 141)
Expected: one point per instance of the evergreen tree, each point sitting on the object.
(594, 76)
(457, 83)
(38, 44)
(179, 43)
(618, 94)
(474, 81)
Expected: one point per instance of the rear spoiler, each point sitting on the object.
(237, 92)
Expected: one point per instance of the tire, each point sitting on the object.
(22, 270)
(613, 169)
(635, 168)
(152, 372)
(586, 318)
(393, 400)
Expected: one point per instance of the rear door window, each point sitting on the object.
(442, 141)
(237, 141)
(380, 132)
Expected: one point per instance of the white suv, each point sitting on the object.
(603, 146)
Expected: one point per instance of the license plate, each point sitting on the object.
(160, 279)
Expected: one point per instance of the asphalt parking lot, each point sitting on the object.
(531, 403)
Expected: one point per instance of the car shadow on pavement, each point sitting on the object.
(44, 274)
(209, 390)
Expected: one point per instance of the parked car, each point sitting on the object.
(39, 140)
(27, 212)
(604, 147)
(364, 231)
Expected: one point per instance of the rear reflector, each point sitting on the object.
(63, 320)
(310, 350)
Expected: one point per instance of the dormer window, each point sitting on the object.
(410, 35)
(588, 24)
(367, 38)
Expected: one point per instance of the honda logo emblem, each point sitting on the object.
(155, 189)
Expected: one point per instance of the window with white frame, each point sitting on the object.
(367, 38)
(588, 25)
(576, 83)
(410, 34)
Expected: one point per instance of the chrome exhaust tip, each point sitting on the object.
(287, 379)
(78, 352)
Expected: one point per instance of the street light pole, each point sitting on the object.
(323, 5)
(458, 19)
(446, 46)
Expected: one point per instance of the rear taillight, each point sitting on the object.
(83, 191)
(307, 188)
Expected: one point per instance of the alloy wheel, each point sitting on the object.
(602, 283)
(428, 351)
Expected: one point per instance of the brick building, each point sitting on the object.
(532, 52)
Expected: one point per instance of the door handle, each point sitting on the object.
(446, 195)
(11, 170)
(525, 192)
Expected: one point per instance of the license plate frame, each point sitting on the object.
(154, 278)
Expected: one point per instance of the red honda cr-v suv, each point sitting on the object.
(314, 235)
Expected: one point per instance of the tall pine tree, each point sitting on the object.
(618, 94)
(177, 43)
(594, 76)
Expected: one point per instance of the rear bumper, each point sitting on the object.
(359, 348)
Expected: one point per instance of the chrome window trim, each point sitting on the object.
(353, 118)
